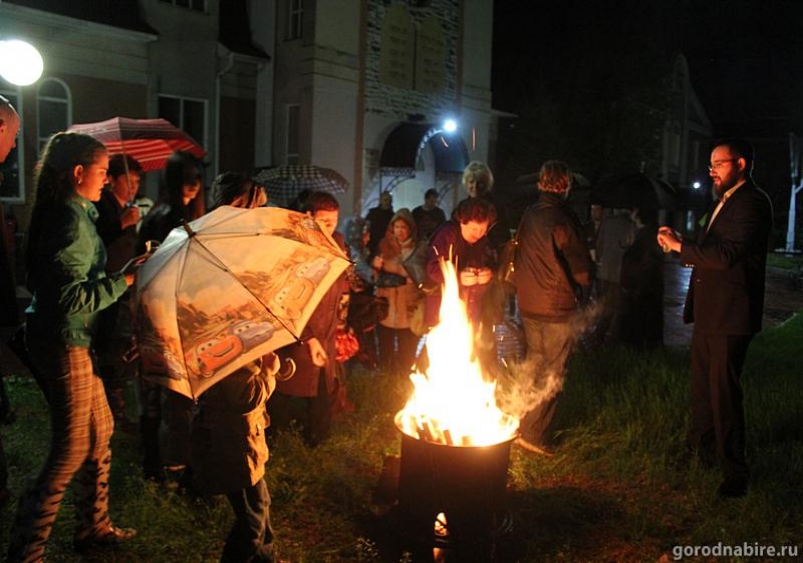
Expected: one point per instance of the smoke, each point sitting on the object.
(522, 387)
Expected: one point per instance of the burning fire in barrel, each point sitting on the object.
(455, 442)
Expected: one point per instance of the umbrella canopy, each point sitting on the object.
(634, 190)
(284, 183)
(230, 287)
(150, 141)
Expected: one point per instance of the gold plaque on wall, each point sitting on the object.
(396, 51)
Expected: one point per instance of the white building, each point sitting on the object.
(364, 87)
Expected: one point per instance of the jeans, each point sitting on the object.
(548, 347)
(251, 537)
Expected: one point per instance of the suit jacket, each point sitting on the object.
(726, 289)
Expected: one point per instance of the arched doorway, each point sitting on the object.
(419, 156)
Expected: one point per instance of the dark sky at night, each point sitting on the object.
(745, 57)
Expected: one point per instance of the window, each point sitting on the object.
(187, 114)
(196, 5)
(292, 153)
(295, 19)
(12, 183)
(53, 108)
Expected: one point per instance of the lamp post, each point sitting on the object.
(797, 187)
(20, 62)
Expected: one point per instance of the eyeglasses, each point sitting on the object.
(719, 163)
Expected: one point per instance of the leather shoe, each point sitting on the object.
(733, 487)
(534, 448)
(102, 537)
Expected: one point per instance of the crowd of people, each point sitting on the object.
(87, 234)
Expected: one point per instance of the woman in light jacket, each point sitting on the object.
(397, 343)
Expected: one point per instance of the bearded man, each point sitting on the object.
(725, 302)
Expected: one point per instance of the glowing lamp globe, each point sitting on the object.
(20, 62)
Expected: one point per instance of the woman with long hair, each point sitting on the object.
(66, 263)
(182, 182)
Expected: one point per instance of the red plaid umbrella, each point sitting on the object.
(150, 141)
(284, 183)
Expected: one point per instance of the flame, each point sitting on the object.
(452, 403)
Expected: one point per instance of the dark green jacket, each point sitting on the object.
(70, 286)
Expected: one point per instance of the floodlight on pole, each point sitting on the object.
(20, 62)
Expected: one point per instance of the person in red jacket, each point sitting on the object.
(317, 381)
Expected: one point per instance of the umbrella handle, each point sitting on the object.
(288, 372)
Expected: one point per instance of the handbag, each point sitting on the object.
(416, 264)
(506, 272)
(346, 344)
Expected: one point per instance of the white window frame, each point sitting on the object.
(180, 124)
(43, 136)
(295, 19)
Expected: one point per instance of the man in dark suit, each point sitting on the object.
(725, 302)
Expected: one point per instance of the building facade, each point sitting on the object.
(365, 88)
(360, 86)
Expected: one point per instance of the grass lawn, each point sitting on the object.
(616, 490)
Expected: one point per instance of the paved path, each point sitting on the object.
(781, 301)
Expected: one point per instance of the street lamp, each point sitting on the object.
(20, 62)
(450, 125)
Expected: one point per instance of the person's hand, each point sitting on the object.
(271, 363)
(378, 262)
(129, 217)
(669, 240)
(270, 370)
(129, 271)
(316, 352)
(484, 276)
(468, 277)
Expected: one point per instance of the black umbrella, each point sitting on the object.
(634, 190)
(284, 183)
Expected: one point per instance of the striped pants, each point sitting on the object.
(81, 427)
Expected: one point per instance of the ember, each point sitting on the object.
(453, 404)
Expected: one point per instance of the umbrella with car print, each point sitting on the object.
(150, 141)
(226, 289)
